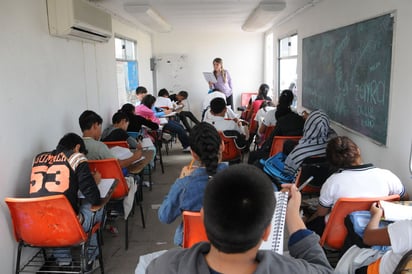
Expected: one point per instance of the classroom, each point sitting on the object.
(47, 82)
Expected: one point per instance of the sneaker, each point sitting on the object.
(186, 149)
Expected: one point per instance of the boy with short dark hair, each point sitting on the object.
(91, 126)
(238, 206)
(65, 171)
(118, 130)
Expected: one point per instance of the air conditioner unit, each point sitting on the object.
(76, 19)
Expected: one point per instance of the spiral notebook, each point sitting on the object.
(275, 240)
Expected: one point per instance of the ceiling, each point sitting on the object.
(195, 15)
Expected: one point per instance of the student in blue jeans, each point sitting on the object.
(187, 191)
(65, 171)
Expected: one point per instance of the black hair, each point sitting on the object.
(148, 100)
(128, 108)
(70, 141)
(284, 103)
(119, 116)
(217, 105)
(238, 206)
(141, 90)
(263, 92)
(342, 152)
(184, 94)
(88, 118)
(205, 141)
(163, 92)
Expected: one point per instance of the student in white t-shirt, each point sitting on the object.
(352, 179)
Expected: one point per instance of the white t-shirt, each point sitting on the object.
(261, 113)
(400, 234)
(270, 119)
(360, 181)
(210, 96)
(164, 102)
(222, 123)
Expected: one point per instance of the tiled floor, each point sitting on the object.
(156, 236)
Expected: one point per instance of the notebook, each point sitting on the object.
(104, 186)
(395, 212)
(275, 240)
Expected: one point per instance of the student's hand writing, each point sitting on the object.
(186, 171)
(294, 197)
(376, 210)
(137, 154)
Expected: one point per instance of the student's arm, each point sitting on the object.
(374, 235)
(320, 211)
(293, 220)
(262, 129)
(137, 154)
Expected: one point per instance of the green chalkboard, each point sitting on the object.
(346, 72)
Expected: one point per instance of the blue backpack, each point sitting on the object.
(274, 166)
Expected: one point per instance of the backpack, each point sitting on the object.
(274, 166)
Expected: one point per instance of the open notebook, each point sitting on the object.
(104, 187)
(275, 240)
(396, 212)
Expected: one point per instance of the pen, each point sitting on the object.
(191, 164)
(308, 180)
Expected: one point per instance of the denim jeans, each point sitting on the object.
(176, 127)
(63, 255)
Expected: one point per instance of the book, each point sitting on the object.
(275, 240)
(122, 153)
(395, 211)
(210, 77)
(104, 187)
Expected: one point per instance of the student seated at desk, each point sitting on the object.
(117, 131)
(136, 121)
(353, 179)
(187, 192)
(216, 93)
(91, 126)
(398, 235)
(65, 171)
(216, 117)
(238, 206)
(145, 110)
(182, 112)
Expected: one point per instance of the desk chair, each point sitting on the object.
(49, 222)
(231, 153)
(117, 143)
(277, 143)
(157, 136)
(335, 232)
(110, 168)
(193, 229)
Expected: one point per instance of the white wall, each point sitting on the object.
(332, 14)
(241, 52)
(45, 83)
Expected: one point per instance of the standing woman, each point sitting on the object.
(224, 81)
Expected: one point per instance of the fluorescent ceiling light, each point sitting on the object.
(263, 15)
(148, 17)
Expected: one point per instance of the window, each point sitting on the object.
(288, 59)
(269, 61)
(126, 68)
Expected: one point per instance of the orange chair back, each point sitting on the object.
(335, 231)
(253, 124)
(277, 143)
(110, 168)
(231, 151)
(48, 221)
(117, 143)
(193, 229)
